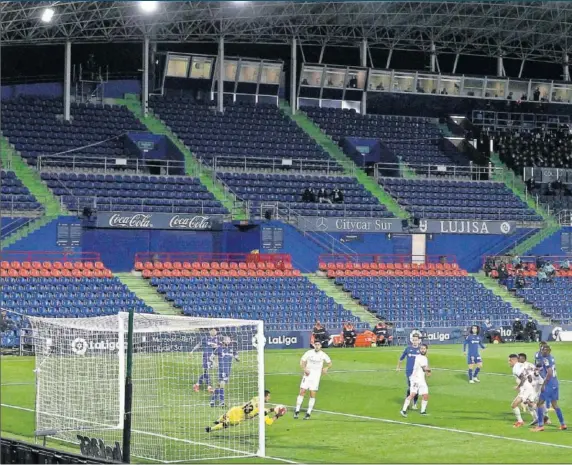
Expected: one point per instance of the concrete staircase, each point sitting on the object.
(192, 165)
(350, 168)
(507, 296)
(341, 297)
(13, 161)
(147, 293)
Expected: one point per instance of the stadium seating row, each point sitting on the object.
(14, 196)
(440, 301)
(388, 272)
(55, 273)
(242, 134)
(261, 265)
(287, 302)
(552, 299)
(415, 140)
(47, 265)
(387, 266)
(230, 273)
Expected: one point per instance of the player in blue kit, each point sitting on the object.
(210, 344)
(550, 389)
(410, 353)
(225, 354)
(474, 360)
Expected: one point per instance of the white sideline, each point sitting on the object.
(278, 459)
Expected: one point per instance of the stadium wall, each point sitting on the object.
(44, 239)
(552, 245)
(471, 248)
(113, 89)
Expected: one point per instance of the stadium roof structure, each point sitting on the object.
(537, 31)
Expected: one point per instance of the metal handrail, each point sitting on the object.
(275, 165)
(565, 217)
(293, 217)
(436, 171)
(10, 211)
(287, 205)
(107, 164)
(97, 203)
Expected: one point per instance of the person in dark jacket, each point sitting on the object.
(320, 334)
(383, 335)
(5, 323)
(350, 335)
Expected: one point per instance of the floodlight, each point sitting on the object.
(148, 7)
(47, 15)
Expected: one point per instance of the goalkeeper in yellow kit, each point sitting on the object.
(236, 415)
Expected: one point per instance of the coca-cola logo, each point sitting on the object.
(190, 222)
(138, 220)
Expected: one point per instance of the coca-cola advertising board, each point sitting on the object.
(178, 221)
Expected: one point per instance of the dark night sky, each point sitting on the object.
(125, 59)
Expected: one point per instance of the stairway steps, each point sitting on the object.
(350, 168)
(341, 297)
(147, 293)
(192, 165)
(507, 296)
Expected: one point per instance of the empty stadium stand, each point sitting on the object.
(442, 199)
(552, 299)
(15, 197)
(433, 294)
(71, 287)
(246, 136)
(177, 194)
(250, 287)
(414, 139)
(286, 190)
(35, 126)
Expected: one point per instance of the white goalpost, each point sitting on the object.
(80, 385)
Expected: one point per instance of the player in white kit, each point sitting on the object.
(312, 363)
(523, 371)
(418, 381)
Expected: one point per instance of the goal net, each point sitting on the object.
(187, 372)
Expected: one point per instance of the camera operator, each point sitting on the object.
(320, 334)
(490, 332)
(531, 331)
(518, 330)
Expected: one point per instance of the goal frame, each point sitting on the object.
(125, 359)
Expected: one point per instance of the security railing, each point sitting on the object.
(111, 165)
(12, 206)
(118, 205)
(275, 165)
(565, 217)
(288, 212)
(436, 171)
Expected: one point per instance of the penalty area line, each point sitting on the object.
(441, 428)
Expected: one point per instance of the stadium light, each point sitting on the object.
(47, 15)
(148, 7)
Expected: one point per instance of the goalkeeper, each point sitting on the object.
(236, 415)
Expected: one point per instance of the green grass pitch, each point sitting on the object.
(356, 418)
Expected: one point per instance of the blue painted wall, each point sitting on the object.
(551, 245)
(471, 248)
(44, 239)
(113, 89)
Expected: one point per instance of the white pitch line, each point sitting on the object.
(278, 459)
(441, 428)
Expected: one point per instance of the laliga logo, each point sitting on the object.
(137, 220)
(423, 226)
(79, 346)
(255, 341)
(505, 228)
(441, 337)
(556, 333)
(196, 222)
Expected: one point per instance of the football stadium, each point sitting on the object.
(286, 232)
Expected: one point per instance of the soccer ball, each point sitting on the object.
(280, 410)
